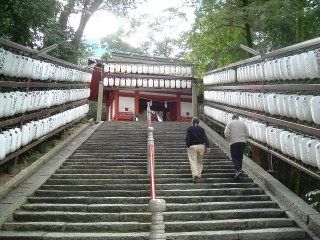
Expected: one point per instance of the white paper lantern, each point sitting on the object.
(172, 83)
(117, 82)
(19, 137)
(128, 82)
(306, 108)
(313, 69)
(2, 146)
(299, 107)
(134, 82)
(278, 139)
(9, 102)
(156, 69)
(14, 135)
(150, 83)
(311, 151)
(145, 83)
(290, 144)
(25, 135)
(145, 69)
(315, 109)
(117, 68)
(167, 83)
(303, 150)
(161, 70)
(139, 82)
(318, 155)
(3, 102)
(296, 143)
(283, 146)
(294, 66)
(156, 83)
(302, 66)
(161, 83)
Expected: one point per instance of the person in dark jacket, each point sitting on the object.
(195, 140)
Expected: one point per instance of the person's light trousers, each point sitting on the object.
(195, 154)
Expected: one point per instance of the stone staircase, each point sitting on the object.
(102, 192)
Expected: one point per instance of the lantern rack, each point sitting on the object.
(34, 53)
(145, 89)
(16, 154)
(278, 52)
(274, 153)
(279, 122)
(42, 113)
(12, 83)
(274, 87)
(144, 76)
(259, 74)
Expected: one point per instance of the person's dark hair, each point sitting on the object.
(195, 121)
(235, 116)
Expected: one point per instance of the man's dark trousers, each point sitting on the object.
(237, 150)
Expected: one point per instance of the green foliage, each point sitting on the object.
(38, 23)
(265, 25)
(314, 198)
(215, 36)
(157, 44)
(23, 21)
(116, 44)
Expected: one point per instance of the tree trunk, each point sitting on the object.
(247, 26)
(87, 12)
(64, 16)
(300, 32)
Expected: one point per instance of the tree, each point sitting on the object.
(116, 44)
(87, 8)
(218, 30)
(158, 44)
(23, 21)
(265, 25)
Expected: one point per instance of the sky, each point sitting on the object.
(103, 23)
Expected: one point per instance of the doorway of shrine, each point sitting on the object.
(167, 111)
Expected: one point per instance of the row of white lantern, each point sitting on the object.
(303, 107)
(18, 66)
(227, 76)
(294, 145)
(148, 83)
(15, 138)
(172, 70)
(300, 66)
(12, 103)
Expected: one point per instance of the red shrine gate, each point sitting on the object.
(129, 85)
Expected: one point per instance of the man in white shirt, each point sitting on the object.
(236, 132)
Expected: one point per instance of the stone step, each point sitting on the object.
(233, 224)
(207, 177)
(135, 193)
(57, 216)
(99, 187)
(101, 165)
(171, 207)
(143, 162)
(114, 185)
(141, 200)
(289, 233)
(205, 172)
(77, 226)
(102, 191)
(40, 235)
